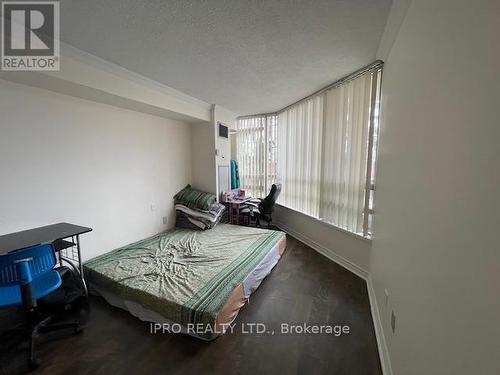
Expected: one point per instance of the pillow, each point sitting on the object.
(194, 198)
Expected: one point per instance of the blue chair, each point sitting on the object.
(25, 276)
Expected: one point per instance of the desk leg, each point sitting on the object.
(80, 264)
(234, 213)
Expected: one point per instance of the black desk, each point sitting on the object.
(58, 234)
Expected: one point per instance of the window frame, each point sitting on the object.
(373, 137)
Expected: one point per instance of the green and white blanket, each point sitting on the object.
(184, 275)
(195, 199)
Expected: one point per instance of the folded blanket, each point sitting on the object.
(210, 215)
(183, 221)
(188, 222)
(198, 219)
(195, 199)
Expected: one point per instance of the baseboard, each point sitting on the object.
(330, 254)
(383, 351)
(365, 275)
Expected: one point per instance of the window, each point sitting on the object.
(256, 150)
(348, 153)
(322, 150)
(299, 155)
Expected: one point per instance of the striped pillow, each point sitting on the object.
(194, 198)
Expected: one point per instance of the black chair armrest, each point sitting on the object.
(252, 204)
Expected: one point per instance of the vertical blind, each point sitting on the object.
(299, 155)
(250, 150)
(322, 150)
(256, 151)
(345, 153)
(272, 151)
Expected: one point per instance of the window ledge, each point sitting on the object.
(332, 226)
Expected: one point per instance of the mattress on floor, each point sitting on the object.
(189, 277)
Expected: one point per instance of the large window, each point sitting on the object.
(299, 155)
(256, 150)
(322, 150)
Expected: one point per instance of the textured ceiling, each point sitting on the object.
(248, 56)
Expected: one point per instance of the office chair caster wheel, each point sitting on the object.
(33, 363)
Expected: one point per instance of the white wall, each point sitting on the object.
(232, 142)
(205, 142)
(223, 145)
(395, 18)
(68, 159)
(345, 248)
(437, 204)
(203, 157)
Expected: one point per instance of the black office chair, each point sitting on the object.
(262, 209)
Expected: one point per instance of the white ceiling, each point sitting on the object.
(248, 56)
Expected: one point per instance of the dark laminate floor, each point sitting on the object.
(303, 287)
